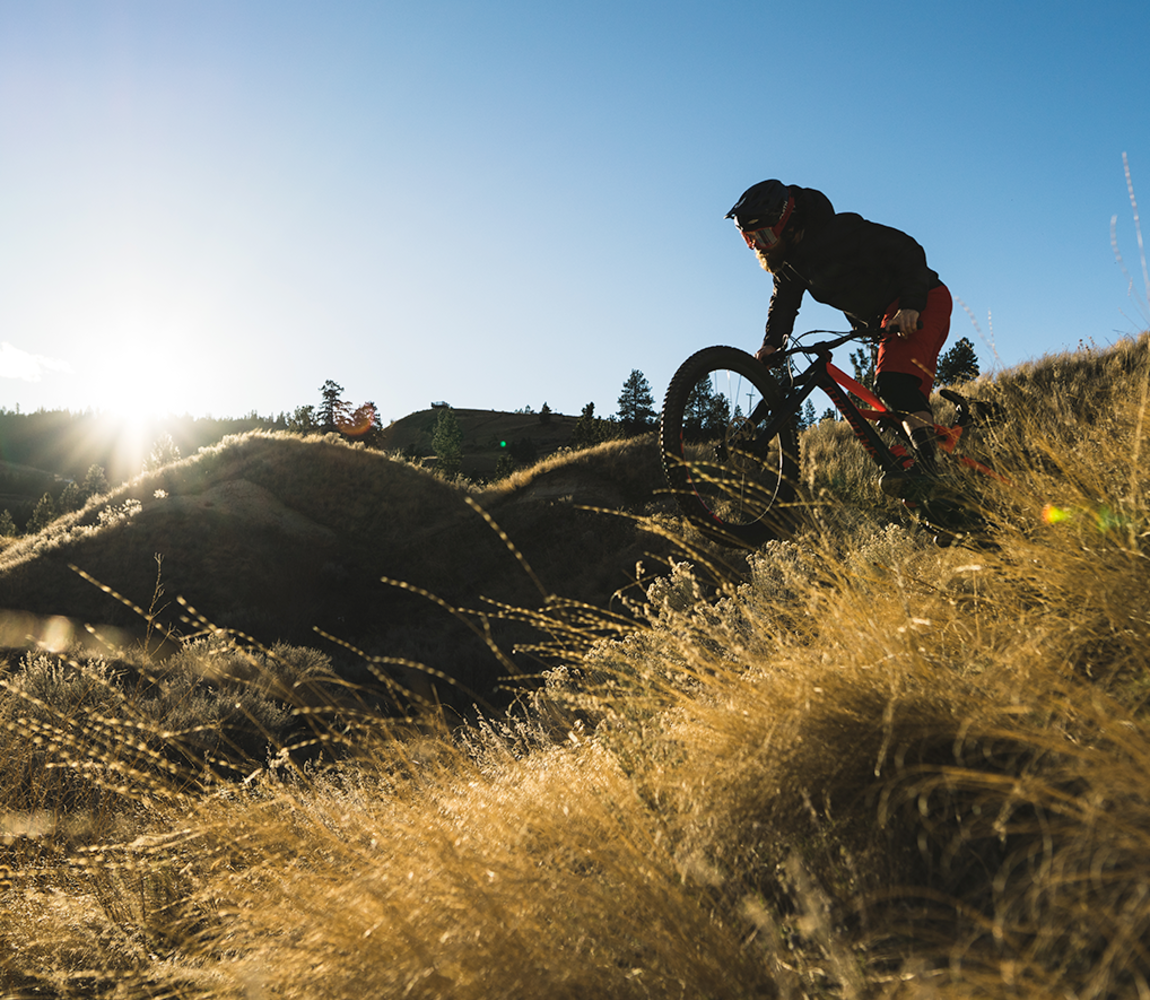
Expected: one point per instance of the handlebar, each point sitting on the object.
(840, 338)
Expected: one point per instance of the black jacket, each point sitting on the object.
(846, 262)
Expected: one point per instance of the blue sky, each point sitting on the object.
(212, 207)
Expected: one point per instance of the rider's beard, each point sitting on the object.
(774, 258)
(771, 260)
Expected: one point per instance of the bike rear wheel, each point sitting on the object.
(734, 488)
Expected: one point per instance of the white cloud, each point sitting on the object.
(15, 363)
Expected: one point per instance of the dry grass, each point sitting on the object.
(868, 768)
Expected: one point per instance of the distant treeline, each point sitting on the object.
(68, 444)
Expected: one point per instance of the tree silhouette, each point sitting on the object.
(43, 515)
(302, 420)
(959, 364)
(447, 442)
(367, 426)
(592, 430)
(583, 435)
(807, 417)
(706, 412)
(72, 498)
(95, 482)
(333, 410)
(863, 362)
(636, 404)
(697, 410)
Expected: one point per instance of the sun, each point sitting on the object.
(134, 394)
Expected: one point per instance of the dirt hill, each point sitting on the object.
(273, 535)
(487, 434)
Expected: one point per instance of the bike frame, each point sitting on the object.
(822, 374)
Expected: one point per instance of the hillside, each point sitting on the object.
(487, 434)
(275, 535)
(849, 765)
(43, 451)
(21, 486)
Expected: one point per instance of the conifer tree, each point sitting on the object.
(333, 410)
(72, 498)
(95, 482)
(592, 430)
(959, 364)
(583, 436)
(636, 404)
(863, 362)
(447, 442)
(7, 525)
(43, 515)
(697, 410)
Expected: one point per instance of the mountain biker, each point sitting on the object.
(878, 277)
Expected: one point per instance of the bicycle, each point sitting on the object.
(735, 474)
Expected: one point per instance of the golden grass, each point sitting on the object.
(868, 767)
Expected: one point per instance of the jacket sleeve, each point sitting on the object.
(784, 307)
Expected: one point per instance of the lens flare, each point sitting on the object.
(357, 422)
(1104, 518)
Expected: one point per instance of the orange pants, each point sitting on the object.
(918, 354)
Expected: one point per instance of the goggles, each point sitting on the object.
(767, 238)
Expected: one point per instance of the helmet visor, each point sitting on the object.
(761, 239)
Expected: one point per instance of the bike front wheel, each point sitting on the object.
(732, 484)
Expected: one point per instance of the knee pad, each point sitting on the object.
(901, 392)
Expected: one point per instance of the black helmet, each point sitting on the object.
(761, 206)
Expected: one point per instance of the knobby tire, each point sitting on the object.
(734, 493)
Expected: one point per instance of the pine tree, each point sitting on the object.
(697, 411)
(95, 482)
(592, 430)
(333, 410)
(72, 498)
(959, 364)
(7, 525)
(717, 416)
(447, 442)
(545, 414)
(43, 515)
(863, 362)
(636, 404)
(583, 436)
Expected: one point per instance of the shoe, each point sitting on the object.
(909, 484)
